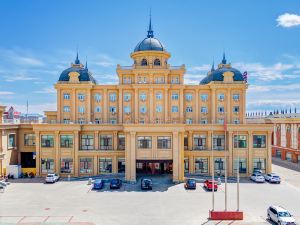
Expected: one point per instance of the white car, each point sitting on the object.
(280, 216)
(273, 178)
(258, 178)
(52, 178)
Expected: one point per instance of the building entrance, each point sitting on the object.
(154, 167)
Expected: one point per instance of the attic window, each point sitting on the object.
(156, 62)
(144, 62)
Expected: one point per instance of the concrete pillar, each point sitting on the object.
(250, 153)
(166, 108)
(76, 149)
(127, 157)
(132, 156)
(228, 109)
(209, 140)
(59, 107)
(57, 152)
(96, 138)
(114, 164)
(105, 106)
(197, 106)
(191, 164)
(181, 110)
(275, 135)
(73, 106)
(115, 140)
(283, 135)
(269, 153)
(178, 156)
(37, 153)
(95, 166)
(88, 106)
(213, 106)
(136, 105)
(120, 111)
(190, 140)
(151, 105)
(230, 155)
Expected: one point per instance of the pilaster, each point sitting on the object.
(250, 153)
(76, 149)
(269, 153)
(37, 153)
(96, 138)
(57, 152)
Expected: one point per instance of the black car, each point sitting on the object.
(115, 184)
(146, 184)
(190, 184)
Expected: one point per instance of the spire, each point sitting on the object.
(77, 61)
(150, 31)
(224, 58)
(213, 66)
(86, 65)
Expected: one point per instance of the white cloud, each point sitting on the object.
(288, 20)
(6, 93)
(204, 67)
(46, 90)
(21, 77)
(272, 88)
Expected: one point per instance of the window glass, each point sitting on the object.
(174, 108)
(199, 142)
(47, 165)
(66, 165)
(143, 109)
(189, 109)
(221, 97)
(113, 109)
(81, 97)
(236, 97)
(98, 97)
(81, 109)
(188, 97)
(241, 164)
(66, 141)
(121, 165)
(240, 141)
(236, 109)
(12, 140)
(158, 96)
(186, 165)
(106, 142)
(175, 96)
(218, 142)
(86, 165)
(47, 141)
(98, 109)
(204, 97)
(66, 96)
(204, 109)
(189, 121)
(145, 142)
(105, 165)
(127, 109)
(112, 97)
(259, 141)
(201, 165)
(67, 109)
(158, 108)
(259, 164)
(127, 97)
(121, 142)
(143, 96)
(29, 139)
(87, 142)
(163, 142)
(221, 109)
(219, 166)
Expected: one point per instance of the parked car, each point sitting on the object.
(98, 184)
(51, 178)
(280, 216)
(146, 184)
(190, 184)
(273, 178)
(208, 184)
(257, 177)
(115, 184)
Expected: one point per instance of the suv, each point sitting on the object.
(273, 178)
(51, 178)
(257, 177)
(280, 216)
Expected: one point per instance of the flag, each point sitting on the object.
(245, 76)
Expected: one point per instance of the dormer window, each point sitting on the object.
(144, 62)
(156, 62)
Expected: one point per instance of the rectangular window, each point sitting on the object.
(98, 109)
(11, 140)
(67, 109)
(203, 121)
(29, 139)
(127, 97)
(288, 156)
(143, 109)
(204, 97)
(174, 109)
(236, 109)
(259, 164)
(106, 142)
(66, 96)
(113, 109)
(81, 120)
(259, 141)
(143, 97)
(236, 97)
(240, 141)
(47, 141)
(204, 110)
(47, 165)
(175, 80)
(86, 165)
(278, 153)
(186, 165)
(221, 121)
(121, 142)
(201, 165)
(66, 141)
(221, 97)
(189, 109)
(81, 109)
(219, 142)
(87, 142)
(105, 165)
(98, 97)
(189, 121)
(219, 166)
(81, 97)
(112, 97)
(158, 96)
(188, 97)
(121, 165)
(98, 120)
(199, 142)
(236, 121)
(126, 80)
(185, 142)
(113, 121)
(158, 108)
(221, 109)
(66, 121)
(66, 165)
(175, 96)
(241, 164)
(127, 109)
(163, 142)
(145, 142)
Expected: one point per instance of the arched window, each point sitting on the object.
(144, 62)
(156, 62)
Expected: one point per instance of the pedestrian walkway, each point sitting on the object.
(286, 164)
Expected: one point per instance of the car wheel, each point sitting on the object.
(269, 218)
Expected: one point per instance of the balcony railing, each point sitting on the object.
(197, 147)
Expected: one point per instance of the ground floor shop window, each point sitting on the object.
(186, 165)
(201, 165)
(240, 163)
(259, 164)
(288, 156)
(66, 165)
(86, 165)
(121, 165)
(278, 153)
(105, 165)
(219, 166)
(47, 165)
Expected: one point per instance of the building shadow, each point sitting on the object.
(286, 164)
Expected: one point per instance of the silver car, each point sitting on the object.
(280, 216)
(273, 178)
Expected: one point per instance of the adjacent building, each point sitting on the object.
(148, 122)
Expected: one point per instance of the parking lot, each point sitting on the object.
(33, 202)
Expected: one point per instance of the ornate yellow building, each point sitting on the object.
(149, 122)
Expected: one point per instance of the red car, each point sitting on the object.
(209, 185)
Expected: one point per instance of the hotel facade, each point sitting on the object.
(150, 122)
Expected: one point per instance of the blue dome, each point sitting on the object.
(150, 44)
(84, 74)
(217, 75)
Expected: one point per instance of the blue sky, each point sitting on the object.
(39, 38)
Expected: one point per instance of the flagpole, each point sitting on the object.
(238, 177)
(213, 167)
(225, 129)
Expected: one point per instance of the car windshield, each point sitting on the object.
(284, 214)
(114, 181)
(50, 176)
(97, 181)
(276, 176)
(191, 181)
